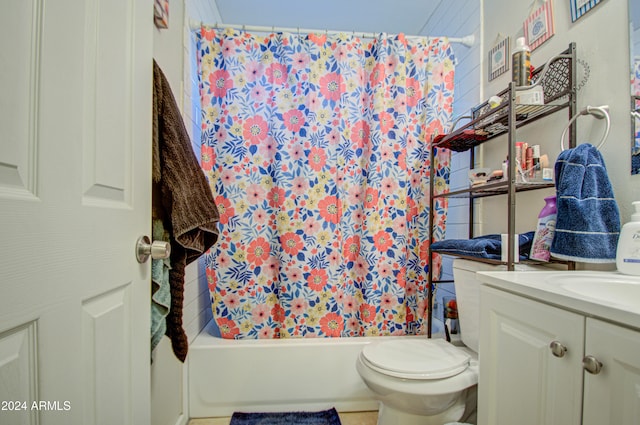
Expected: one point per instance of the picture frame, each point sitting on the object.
(580, 7)
(499, 58)
(539, 26)
(161, 13)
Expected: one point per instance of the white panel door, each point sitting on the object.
(75, 194)
(613, 395)
(521, 381)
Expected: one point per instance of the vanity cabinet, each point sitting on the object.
(613, 395)
(521, 381)
(531, 365)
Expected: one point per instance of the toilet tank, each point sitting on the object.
(468, 295)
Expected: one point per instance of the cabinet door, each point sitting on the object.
(521, 381)
(613, 395)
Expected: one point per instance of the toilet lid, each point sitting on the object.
(418, 358)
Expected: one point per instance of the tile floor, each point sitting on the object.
(350, 418)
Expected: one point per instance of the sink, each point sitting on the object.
(611, 288)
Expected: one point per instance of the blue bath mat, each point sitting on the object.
(325, 417)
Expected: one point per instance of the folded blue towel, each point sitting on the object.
(488, 246)
(588, 222)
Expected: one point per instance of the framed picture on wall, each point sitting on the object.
(161, 13)
(538, 27)
(498, 58)
(580, 7)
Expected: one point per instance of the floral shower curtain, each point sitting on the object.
(317, 151)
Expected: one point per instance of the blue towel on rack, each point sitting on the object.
(588, 221)
(488, 246)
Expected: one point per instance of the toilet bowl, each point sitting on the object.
(420, 381)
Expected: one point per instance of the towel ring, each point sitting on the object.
(599, 112)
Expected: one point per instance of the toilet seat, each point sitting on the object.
(419, 358)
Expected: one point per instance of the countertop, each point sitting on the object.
(610, 296)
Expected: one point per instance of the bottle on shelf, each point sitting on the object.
(546, 229)
(521, 63)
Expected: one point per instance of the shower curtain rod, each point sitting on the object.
(467, 40)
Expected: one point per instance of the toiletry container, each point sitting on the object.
(536, 171)
(541, 247)
(628, 252)
(521, 63)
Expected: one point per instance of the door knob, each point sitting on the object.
(557, 349)
(592, 365)
(156, 250)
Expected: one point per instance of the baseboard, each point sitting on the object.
(182, 420)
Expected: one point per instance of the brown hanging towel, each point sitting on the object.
(181, 198)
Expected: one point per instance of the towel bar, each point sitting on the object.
(599, 112)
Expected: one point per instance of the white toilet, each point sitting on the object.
(421, 381)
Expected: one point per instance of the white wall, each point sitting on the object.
(602, 41)
(456, 19)
(172, 52)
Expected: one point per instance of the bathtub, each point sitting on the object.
(276, 375)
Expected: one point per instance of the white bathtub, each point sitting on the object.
(276, 375)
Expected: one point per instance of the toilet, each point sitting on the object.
(420, 381)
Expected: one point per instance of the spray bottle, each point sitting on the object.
(521, 63)
(541, 247)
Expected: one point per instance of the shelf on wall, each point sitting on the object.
(494, 262)
(493, 189)
(557, 79)
(489, 122)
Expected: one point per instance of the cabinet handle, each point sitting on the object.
(592, 365)
(557, 349)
